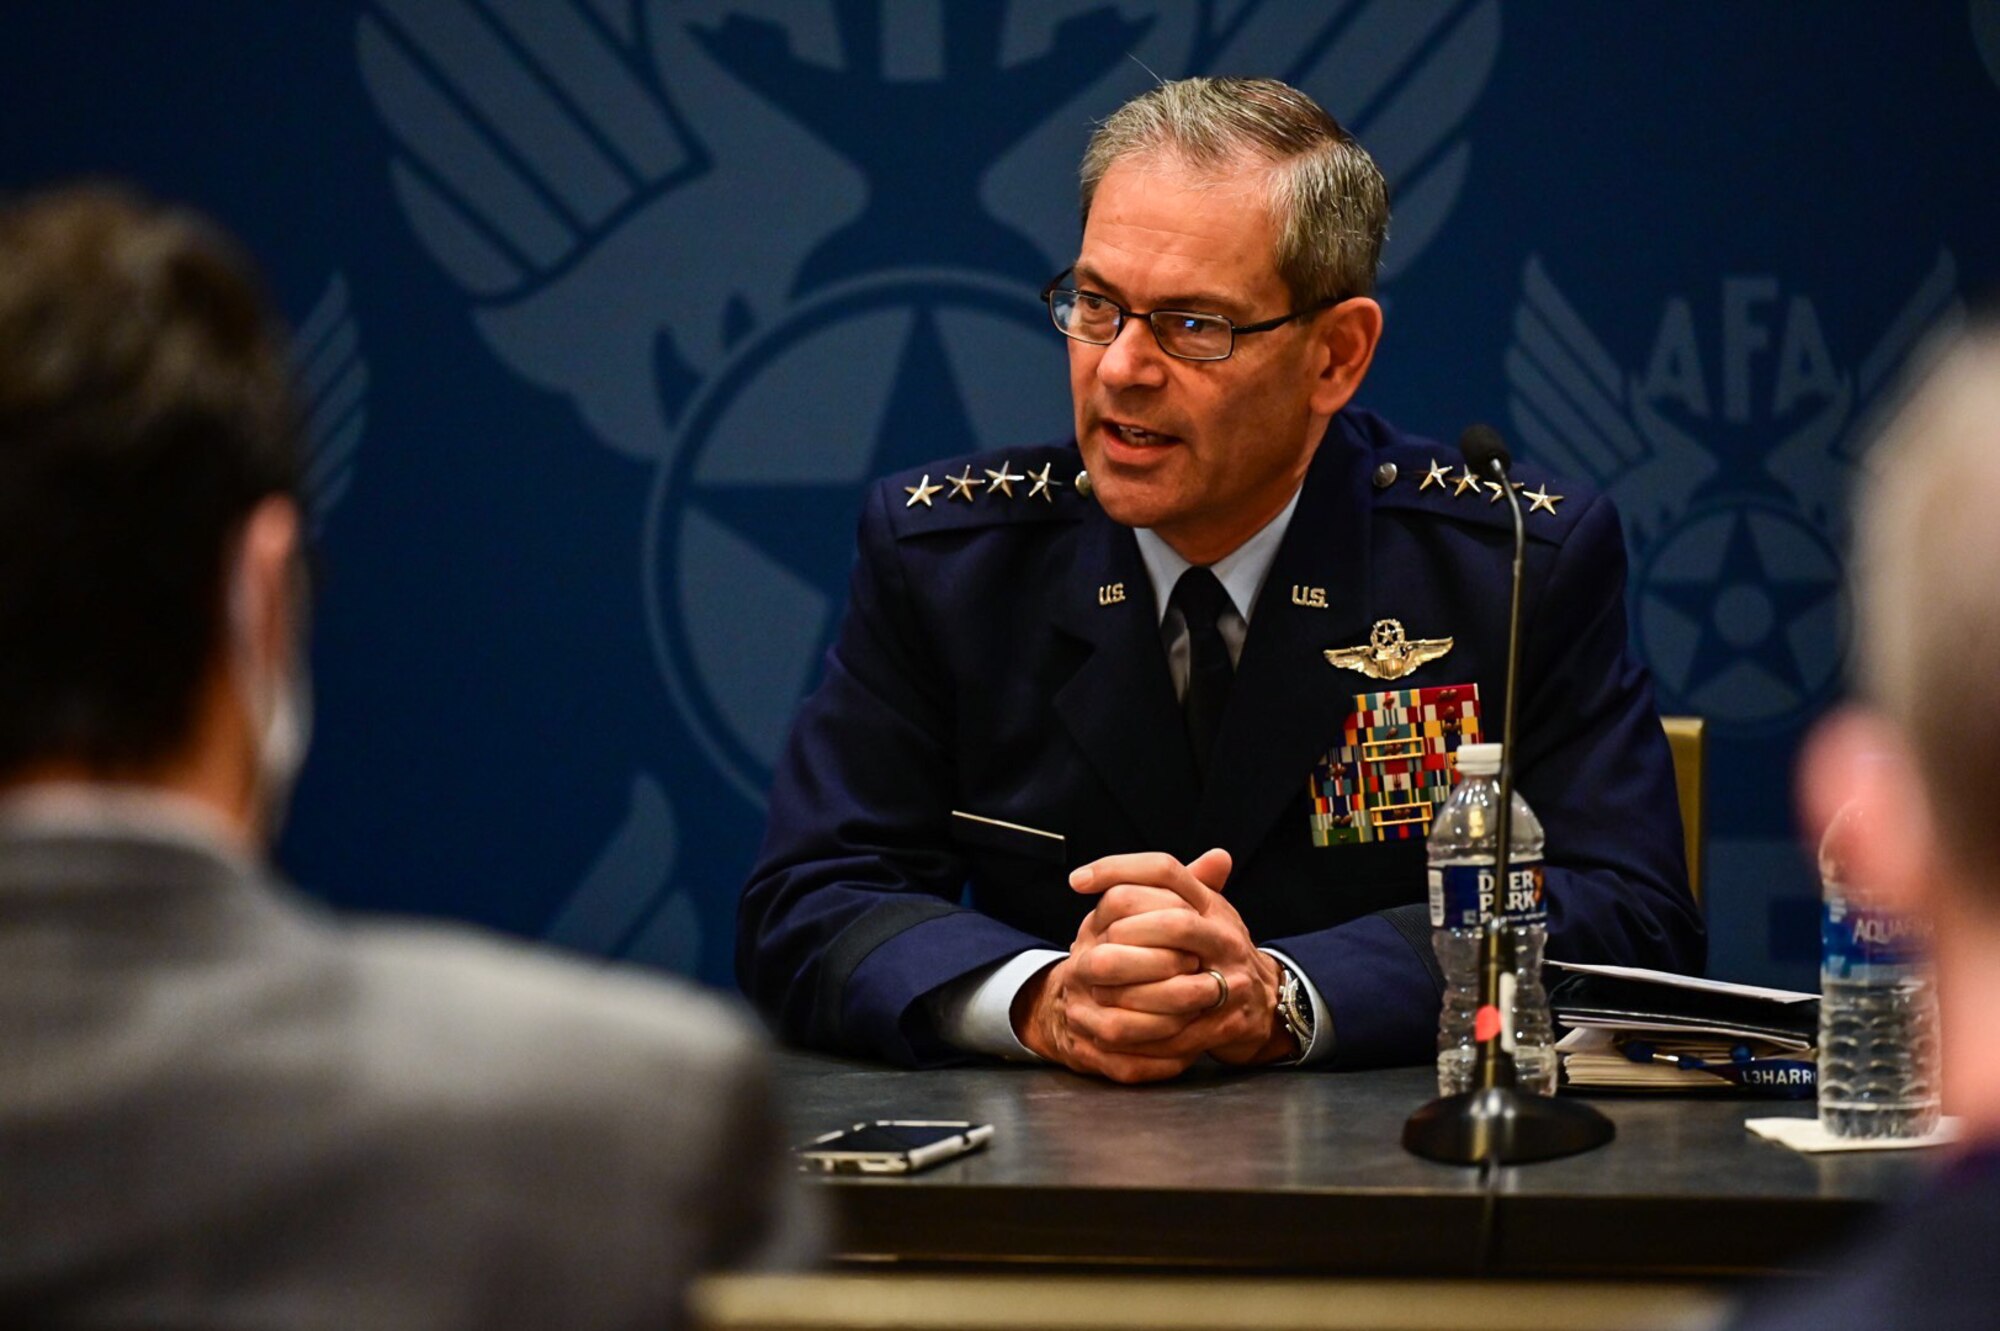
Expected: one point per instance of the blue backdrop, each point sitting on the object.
(608, 308)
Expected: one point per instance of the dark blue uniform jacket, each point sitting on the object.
(985, 665)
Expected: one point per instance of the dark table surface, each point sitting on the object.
(1286, 1171)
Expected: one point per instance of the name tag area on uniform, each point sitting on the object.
(1394, 766)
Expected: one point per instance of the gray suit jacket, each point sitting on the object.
(220, 1108)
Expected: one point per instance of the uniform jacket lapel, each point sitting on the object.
(1119, 706)
(1287, 702)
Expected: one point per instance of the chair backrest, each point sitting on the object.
(1687, 736)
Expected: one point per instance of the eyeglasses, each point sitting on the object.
(1087, 316)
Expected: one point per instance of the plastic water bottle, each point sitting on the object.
(1464, 844)
(1878, 1021)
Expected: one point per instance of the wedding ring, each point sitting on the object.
(1221, 990)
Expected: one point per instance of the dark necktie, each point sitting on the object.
(1200, 599)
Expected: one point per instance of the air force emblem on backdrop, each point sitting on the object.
(1729, 453)
(770, 249)
(1985, 18)
(332, 376)
(775, 249)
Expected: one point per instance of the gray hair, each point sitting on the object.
(1928, 599)
(1328, 195)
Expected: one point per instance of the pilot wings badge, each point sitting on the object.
(1389, 654)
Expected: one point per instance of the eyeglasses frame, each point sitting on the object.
(1053, 286)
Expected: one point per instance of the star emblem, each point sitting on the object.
(921, 492)
(1744, 613)
(1003, 480)
(962, 485)
(1460, 484)
(1045, 485)
(1439, 475)
(1494, 486)
(786, 519)
(1540, 500)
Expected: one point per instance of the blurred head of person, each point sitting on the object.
(152, 588)
(1917, 755)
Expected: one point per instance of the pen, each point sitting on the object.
(1781, 1078)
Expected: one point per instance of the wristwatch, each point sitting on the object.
(1295, 1009)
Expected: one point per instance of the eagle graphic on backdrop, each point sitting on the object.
(771, 249)
(332, 378)
(1730, 458)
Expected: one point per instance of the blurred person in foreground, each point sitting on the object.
(218, 1106)
(1919, 755)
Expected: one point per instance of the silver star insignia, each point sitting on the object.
(921, 492)
(1045, 485)
(1438, 475)
(1003, 480)
(1461, 484)
(1540, 500)
(1494, 486)
(962, 485)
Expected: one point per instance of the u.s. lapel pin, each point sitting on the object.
(1389, 653)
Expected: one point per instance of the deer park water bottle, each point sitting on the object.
(1464, 844)
(1878, 1021)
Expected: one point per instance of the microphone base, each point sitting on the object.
(1505, 1126)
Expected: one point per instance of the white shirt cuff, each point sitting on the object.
(1321, 1047)
(975, 1011)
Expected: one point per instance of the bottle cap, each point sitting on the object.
(1479, 759)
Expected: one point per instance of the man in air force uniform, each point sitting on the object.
(1180, 697)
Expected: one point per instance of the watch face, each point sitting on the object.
(1293, 1010)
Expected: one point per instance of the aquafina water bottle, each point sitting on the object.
(1464, 844)
(1878, 1018)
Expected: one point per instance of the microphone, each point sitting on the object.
(1486, 455)
(1485, 452)
(1494, 1123)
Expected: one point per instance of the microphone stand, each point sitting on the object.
(1495, 1122)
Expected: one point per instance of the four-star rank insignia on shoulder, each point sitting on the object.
(997, 485)
(1439, 475)
(1394, 766)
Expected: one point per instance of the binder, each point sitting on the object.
(1628, 998)
(1641, 1030)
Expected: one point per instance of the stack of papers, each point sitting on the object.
(1627, 1061)
(1642, 1030)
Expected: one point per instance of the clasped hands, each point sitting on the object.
(1134, 1001)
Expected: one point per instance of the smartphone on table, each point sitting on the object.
(893, 1146)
